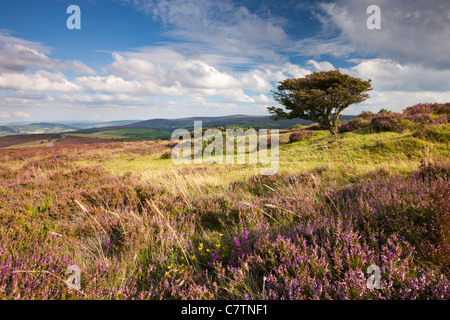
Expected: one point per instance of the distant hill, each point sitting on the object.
(163, 128)
(257, 122)
(35, 128)
(50, 127)
(92, 124)
(7, 129)
(148, 129)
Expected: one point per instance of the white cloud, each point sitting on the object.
(414, 31)
(316, 47)
(388, 75)
(224, 25)
(109, 84)
(18, 55)
(228, 59)
(41, 81)
(134, 68)
(321, 66)
(18, 114)
(21, 114)
(7, 38)
(163, 70)
(262, 98)
(4, 114)
(197, 74)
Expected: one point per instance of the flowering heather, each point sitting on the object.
(349, 126)
(412, 118)
(366, 115)
(418, 109)
(422, 118)
(300, 135)
(387, 122)
(294, 235)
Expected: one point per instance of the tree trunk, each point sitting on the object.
(333, 130)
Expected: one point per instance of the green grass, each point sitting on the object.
(164, 220)
(340, 158)
(399, 152)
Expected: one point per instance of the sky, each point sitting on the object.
(144, 59)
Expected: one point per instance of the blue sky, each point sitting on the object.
(142, 59)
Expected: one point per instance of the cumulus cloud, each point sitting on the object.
(164, 70)
(109, 84)
(18, 114)
(197, 74)
(40, 81)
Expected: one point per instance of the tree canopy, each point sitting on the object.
(319, 96)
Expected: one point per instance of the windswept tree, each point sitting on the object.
(320, 97)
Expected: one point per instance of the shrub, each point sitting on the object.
(412, 118)
(418, 109)
(354, 124)
(361, 121)
(387, 122)
(297, 126)
(441, 119)
(442, 108)
(366, 115)
(421, 118)
(346, 127)
(300, 135)
(384, 111)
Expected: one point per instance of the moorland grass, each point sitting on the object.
(140, 227)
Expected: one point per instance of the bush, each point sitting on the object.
(300, 135)
(384, 111)
(420, 118)
(412, 118)
(441, 119)
(297, 126)
(366, 115)
(362, 121)
(442, 108)
(418, 109)
(345, 128)
(387, 122)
